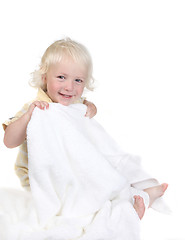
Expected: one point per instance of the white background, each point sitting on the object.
(138, 50)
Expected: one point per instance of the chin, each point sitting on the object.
(66, 103)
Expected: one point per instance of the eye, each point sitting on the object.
(78, 80)
(61, 77)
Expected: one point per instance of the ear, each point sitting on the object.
(44, 82)
(44, 78)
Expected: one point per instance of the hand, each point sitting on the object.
(15, 133)
(91, 109)
(40, 104)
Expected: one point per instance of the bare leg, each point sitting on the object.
(156, 192)
(139, 206)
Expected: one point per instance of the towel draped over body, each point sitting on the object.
(81, 182)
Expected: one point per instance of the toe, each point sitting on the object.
(164, 186)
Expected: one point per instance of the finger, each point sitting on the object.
(87, 114)
(90, 113)
(39, 105)
(45, 105)
(42, 105)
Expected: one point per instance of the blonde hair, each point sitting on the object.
(58, 51)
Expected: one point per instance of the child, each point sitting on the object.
(15, 134)
(65, 70)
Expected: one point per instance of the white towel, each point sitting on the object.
(67, 168)
(80, 181)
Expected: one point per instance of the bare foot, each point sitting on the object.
(156, 192)
(139, 206)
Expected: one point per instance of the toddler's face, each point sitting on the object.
(65, 81)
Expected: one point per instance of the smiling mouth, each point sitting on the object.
(66, 96)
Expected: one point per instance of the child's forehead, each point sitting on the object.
(66, 59)
(69, 66)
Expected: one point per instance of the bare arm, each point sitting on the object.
(15, 133)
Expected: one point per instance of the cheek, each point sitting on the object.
(80, 90)
(52, 86)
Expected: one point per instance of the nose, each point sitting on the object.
(69, 86)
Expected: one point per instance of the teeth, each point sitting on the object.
(66, 95)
